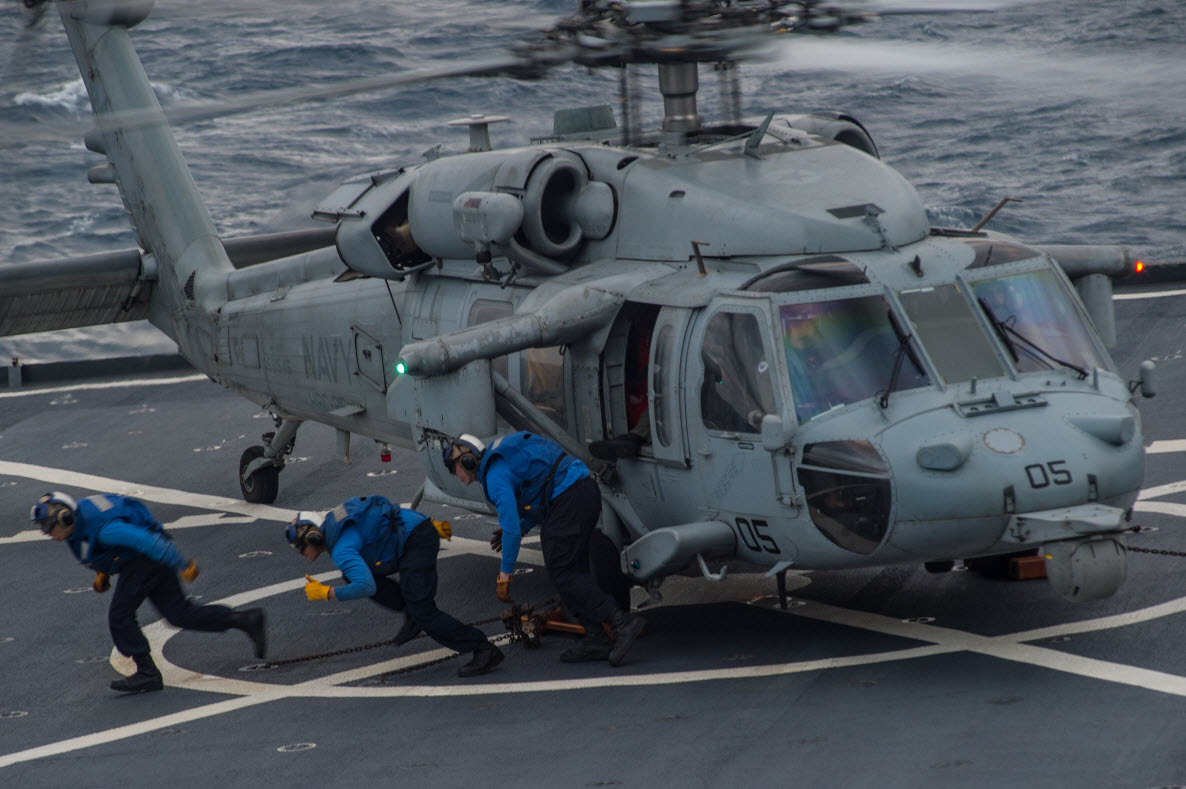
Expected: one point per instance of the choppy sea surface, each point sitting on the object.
(1079, 109)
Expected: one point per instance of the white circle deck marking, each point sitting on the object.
(1012, 647)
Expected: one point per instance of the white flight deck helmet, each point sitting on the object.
(466, 449)
(305, 530)
(53, 509)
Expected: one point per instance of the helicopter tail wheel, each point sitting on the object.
(263, 484)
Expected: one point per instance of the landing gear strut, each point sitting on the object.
(260, 466)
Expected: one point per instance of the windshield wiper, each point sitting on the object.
(903, 350)
(1007, 334)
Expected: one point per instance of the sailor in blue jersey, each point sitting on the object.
(116, 535)
(369, 539)
(532, 481)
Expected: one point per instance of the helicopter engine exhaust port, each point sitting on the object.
(549, 208)
(1086, 569)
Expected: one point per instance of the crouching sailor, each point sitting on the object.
(116, 535)
(369, 539)
(531, 480)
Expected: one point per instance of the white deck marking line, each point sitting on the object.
(1162, 294)
(219, 504)
(1162, 490)
(1169, 445)
(131, 730)
(105, 385)
(1163, 507)
(1011, 646)
(57, 476)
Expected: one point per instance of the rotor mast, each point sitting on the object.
(679, 83)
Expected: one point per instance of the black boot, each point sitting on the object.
(627, 627)
(486, 657)
(147, 677)
(410, 630)
(596, 645)
(251, 622)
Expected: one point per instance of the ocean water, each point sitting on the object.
(1078, 109)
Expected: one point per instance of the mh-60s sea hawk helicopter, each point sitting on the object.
(750, 329)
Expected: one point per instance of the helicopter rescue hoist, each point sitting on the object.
(749, 328)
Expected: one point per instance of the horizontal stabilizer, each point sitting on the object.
(70, 293)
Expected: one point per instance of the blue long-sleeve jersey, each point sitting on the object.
(513, 473)
(110, 530)
(365, 537)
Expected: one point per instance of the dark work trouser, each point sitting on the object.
(143, 579)
(564, 539)
(417, 591)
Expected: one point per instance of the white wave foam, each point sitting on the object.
(70, 96)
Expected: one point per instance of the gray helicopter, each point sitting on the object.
(749, 329)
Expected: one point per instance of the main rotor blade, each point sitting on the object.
(306, 93)
(12, 135)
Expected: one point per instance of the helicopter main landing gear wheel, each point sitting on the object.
(261, 486)
(260, 466)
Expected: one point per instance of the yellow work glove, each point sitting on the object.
(444, 529)
(315, 590)
(190, 573)
(101, 583)
(503, 590)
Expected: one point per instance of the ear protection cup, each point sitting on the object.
(54, 510)
(466, 450)
(304, 531)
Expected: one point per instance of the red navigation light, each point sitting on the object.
(1138, 267)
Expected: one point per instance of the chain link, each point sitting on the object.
(1159, 551)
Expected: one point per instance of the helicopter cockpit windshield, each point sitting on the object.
(1041, 325)
(841, 351)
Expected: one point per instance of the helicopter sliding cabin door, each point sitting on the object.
(642, 369)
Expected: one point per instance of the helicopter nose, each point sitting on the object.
(960, 478)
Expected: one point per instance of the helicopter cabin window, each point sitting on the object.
(484, 311)
(638, 354)
(946, 326)
(1038, 321)
(736, 391)
(542, 379)
(841, 352)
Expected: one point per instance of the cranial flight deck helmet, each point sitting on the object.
(53, 509)
(465, 449)
(305, 530)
